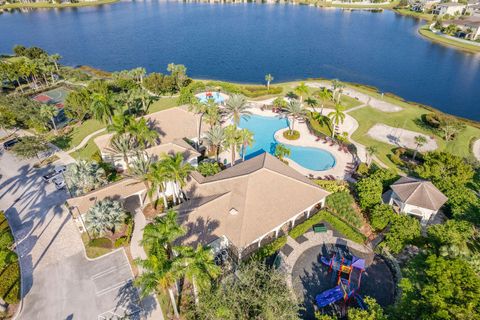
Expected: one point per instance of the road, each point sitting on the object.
(58, 281)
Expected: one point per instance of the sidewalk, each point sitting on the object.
(150, 303)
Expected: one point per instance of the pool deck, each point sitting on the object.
(308, 140)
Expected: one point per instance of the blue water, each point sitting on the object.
(243, 42)
(217, 97)
(264, 129)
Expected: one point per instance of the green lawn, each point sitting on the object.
(427, 33)
(419, 15)
(407, 119)
(89, 126)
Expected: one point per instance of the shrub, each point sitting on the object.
(369, 191)
(101, 243)
(9, 277)
(348, 231)
(122, 241)
(362, 169)
(403, 230)
(380, 216)
(340, 204)
(269, 249)
(319, 128)
(208, 168)
(303, 227)
(6, 239)
(291, 134)
(332, 185)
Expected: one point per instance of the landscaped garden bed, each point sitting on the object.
(9, 269)
(291, 134)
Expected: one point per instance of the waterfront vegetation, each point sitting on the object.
(463, 45)
(50, 4)
(353, 209)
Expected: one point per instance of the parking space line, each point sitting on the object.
(112, 287)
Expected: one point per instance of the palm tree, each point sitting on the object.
(141, 170)
(142, 133)
(55, 58)
(198, 267)
(158, 275)
(420, 141)
(268, 78)
(215, 138)
(124, 145)
(105, 215)
(324, 95)
(145, 98)
(199, 109)
(312, 103)
(84, 176)
(158, 178)
(237, 107)
(301, 90)
(120, 123)
(246, 140)
(212, 116)
(178, 172)
(48, 111)
(337, 116)
(159, 235)
(282, 151)
(337, 89)
(371, 150)
(232, 140)
(295, 110)
(102, 106)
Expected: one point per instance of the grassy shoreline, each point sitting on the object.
(49, 5)
(427, 33)
(410, 13)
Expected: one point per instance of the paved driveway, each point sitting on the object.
(58, 281)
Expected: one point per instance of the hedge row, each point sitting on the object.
(342, 227)
(9, 267)
(247, 90)
(269, 249)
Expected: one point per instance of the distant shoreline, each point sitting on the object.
(49, 5)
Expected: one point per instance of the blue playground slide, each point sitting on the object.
(360, 302)
(325, 261)
(328, 297)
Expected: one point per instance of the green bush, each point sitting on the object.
(380, 216)
(303, 227)
(332, 185)
(120, 242)
(291, 135)
(7, 257)
(369, 192)
(101, 243)
(9, 278)
(340, 204)
(362, 169)
(403, 230)
(6, 239)
(269, 249)
(348, 231)
(208, 168)
(247, 90)
(13, 296)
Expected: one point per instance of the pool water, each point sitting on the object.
(264, 129)
(216, 96)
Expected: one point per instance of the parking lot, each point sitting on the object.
(58, 281)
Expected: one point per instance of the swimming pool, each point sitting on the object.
(205, 96)
(264, 129)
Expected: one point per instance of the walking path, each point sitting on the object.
(381, 105)
(149, 303)
(85, 140)
(476, 149)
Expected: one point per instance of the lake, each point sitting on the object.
(243, 42)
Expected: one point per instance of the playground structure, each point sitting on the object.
(349, 277)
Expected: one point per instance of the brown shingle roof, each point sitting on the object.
(419, 193)
(172, 125)
(263, 193)
(115, 191)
